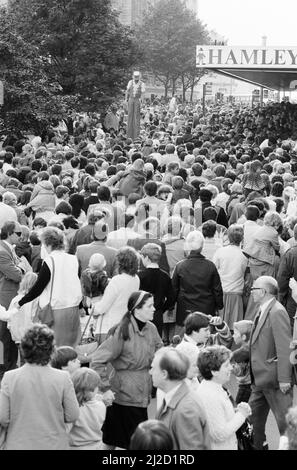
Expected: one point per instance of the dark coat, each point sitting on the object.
(197, 286)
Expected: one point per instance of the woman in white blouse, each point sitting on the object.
(223, 421)
(113, 305)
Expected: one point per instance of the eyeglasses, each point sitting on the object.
(256, 288)
(18, 233)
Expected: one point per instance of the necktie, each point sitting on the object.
(16, 259)
(257, 318)
(162, 409)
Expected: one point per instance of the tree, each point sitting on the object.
(169, 35)
(30, 97)
(89, 53)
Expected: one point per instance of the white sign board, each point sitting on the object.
(242, 57)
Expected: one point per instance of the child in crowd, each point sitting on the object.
(241, 358)
(65, 358)
(94, 279)
(85, 433)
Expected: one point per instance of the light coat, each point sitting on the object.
(270, 348)
(35, 403)
(186, 420)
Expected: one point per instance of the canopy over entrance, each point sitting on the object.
(268, 67)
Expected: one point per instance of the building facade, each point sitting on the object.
(132, 11)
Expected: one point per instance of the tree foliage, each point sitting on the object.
(30, 97)
(89, 52)
(169, 35)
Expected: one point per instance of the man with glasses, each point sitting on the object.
(271, 370)
(11, 272)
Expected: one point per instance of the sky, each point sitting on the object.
(244, 22)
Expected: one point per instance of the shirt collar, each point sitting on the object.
(265, 305)
(188, 339)
(8, 244)
(168, 396)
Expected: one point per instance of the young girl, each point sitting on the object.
(85, 433)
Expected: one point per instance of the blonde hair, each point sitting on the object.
(27, 282)
(85, 382)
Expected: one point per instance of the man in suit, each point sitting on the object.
(271, 370)
(10, 276)
(180, 410)
(84, 252)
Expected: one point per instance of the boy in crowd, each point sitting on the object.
(241, 359)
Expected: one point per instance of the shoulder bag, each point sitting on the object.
(45, 315)
(88, 344)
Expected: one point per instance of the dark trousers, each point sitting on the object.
(158, 321)
(8, 350)
(261, 401)
(243, 394)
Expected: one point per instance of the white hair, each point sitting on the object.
(213, 189)
(194, 241)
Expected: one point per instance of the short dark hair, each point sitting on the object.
(103, 193)
(127, 259)
(64, 208)
(56, 169)
(209, 228)
(37, 344)
(61, 190)
(62, 356)
(39, 221)
(195, 321)
(211, 359)
(151, 188)
(70, 222)
(252, 213)
(7, 229)
(151, 435)
(210, 213)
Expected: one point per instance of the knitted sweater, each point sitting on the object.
(222, 420)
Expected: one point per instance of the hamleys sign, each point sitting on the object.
(246, 57)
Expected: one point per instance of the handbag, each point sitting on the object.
(88, 344)
(45, 315)
(245, 436)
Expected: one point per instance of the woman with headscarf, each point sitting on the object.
(130, 348)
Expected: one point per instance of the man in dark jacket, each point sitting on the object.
(196, 282)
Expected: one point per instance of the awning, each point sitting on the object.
(271, 79)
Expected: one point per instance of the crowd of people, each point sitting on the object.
(175, 254)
